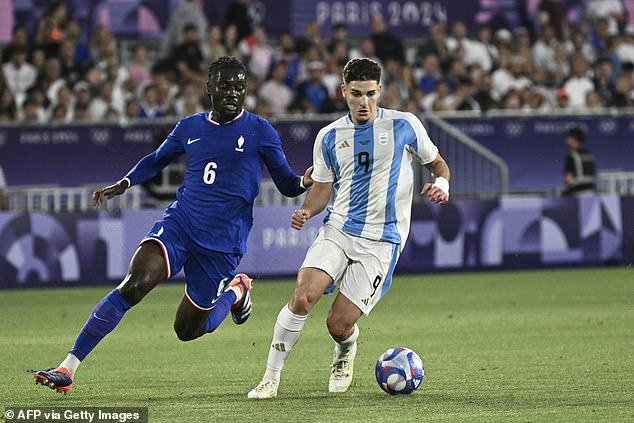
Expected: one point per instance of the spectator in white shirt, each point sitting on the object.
(99, 105)
(559, 68)
(275, 91)
(578, 85)
(475, 52)
(579, 44)
(504, 80)
(543, 51)
(610, 9)
(332, 76)
(625, 49)
(260, 54)
(500, 77)
(485, 37)
(19, 74)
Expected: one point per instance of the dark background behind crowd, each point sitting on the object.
(58, 70)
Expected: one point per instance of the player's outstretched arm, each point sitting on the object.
(106, 193)
(438, 192)
(316, 200)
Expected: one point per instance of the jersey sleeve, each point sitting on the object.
(284, 178)
(152, 164)
(422, 146)
(323, 166)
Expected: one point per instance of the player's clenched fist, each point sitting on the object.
(435, 193)
(299, 218)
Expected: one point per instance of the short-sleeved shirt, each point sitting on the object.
(372, 169)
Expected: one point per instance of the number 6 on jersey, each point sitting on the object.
(209, 174)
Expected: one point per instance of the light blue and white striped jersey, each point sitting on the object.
(372, 169)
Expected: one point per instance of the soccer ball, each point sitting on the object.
(399, 371)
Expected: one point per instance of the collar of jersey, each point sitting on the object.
(226, 123)
(379, 115)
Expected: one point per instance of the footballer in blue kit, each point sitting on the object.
(204, 232)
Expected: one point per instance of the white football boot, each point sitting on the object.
(341, 371)
(266, 389)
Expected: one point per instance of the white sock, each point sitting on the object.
(70, 363)
(342, 348)
(288, 327)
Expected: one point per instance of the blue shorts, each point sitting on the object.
(206, 272)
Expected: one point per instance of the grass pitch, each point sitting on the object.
(538, 346)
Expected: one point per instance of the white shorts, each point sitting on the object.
(362, 268)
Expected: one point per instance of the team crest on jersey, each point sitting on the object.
(383, 138)
(240, 144)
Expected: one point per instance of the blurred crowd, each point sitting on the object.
(59, 74)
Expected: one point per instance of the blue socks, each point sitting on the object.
(222, 307)
(108, 313)
(104, 318)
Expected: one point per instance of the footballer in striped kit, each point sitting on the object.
(366, 158)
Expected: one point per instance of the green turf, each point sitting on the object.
(547, 346)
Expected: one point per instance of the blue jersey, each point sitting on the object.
(224, 167)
